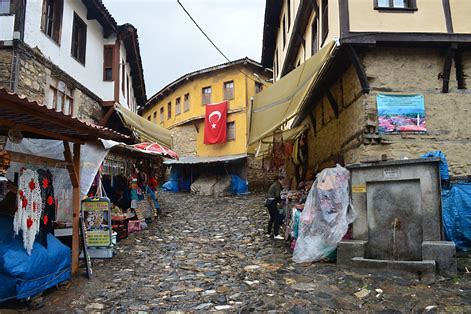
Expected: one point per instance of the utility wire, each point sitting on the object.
(212, 43)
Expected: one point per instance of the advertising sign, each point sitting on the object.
(401, 113)
(97, 218)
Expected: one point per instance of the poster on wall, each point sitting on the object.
(97, 218)
(401, 113)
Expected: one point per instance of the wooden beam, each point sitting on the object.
(344, 18)
(76, 213)
(313, 122)
(103, 121)
(447, 11)
(70, 165)
(40, 132)
(460, 76)
(333, 103)
(365, 86)
(449, 56)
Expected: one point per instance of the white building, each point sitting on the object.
(70, 55)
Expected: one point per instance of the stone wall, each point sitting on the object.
(35, 74)
(184, 139)
(353, 136)
(418, 71)
(5, 67)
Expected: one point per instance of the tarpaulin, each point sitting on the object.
(456, 212)
(215, 123)
(281, 102)
(145, 130)
(443, 163)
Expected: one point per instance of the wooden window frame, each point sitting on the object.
(283, 22)
(315, 35)
(123, 75)
(324, 20)
(108, 64)
(57, 92)
(178, 106)
(206, 97)
(288, 6)
(227, 131)
(161, 114)
(411, 6)
(79, 45)
(228, 93)
(186, 102)
(52, 29)
(169, 110)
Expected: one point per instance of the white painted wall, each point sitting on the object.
(131, 104)
(7, 23)
(90, 75)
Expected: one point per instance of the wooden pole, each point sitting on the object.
(76, 211)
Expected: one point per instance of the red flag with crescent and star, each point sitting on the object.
(215, 123)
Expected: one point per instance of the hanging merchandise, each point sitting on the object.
(327, 213)
(30, 207)
(48, 215)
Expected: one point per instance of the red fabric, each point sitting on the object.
(215, 123)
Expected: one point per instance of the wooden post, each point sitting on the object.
(76, 208)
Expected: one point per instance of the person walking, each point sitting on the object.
(273, 198)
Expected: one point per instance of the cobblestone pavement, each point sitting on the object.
(211, 254)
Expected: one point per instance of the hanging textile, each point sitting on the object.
(49, 205)
(30, 208)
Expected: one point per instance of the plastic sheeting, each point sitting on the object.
(91, 157)
(211, 185)
(238, 186)
(327, 213)
(443, 163)
(172, 184)
(456, 211)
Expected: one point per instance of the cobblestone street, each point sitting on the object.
(211, 254)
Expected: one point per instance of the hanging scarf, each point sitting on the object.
(30, 207)
(49, 205)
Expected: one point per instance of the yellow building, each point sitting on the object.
(180, 106)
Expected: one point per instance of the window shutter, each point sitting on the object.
(59, 7)
(43, 16)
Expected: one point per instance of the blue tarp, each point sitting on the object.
(172, 184)
(23, 276)
(238, 186)
(443, 164)
(456, 208)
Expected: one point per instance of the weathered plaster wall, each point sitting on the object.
(447, 115)
(184, 139)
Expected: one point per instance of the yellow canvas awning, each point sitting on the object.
(145, 130)
(280, 103)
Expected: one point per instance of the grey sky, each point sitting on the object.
(170, 43)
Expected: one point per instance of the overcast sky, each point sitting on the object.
(172, 46)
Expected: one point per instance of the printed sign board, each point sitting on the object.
(401, 113)
(97, 218)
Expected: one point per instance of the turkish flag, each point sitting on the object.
(215, 123)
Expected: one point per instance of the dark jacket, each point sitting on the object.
(274, 191)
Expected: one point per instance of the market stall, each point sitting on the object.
(20, 120)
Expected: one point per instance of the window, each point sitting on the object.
(155, 116)
(229, 90)
(258, 87)
(178, 106)
(275, 66)
(230, 131)
(4, 6)
(51, 20)
(123, 75)
(108, 63)
(148, 118)
(61, 97)
(288, 4)
(325, 20)
(206, 95)
(127, 88)
(314, 36)
(161, 114)
(79, 39)
(284, 32)
(396, 4)
(169, 110)
(186, 102)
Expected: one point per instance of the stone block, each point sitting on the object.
(444, 255)
(347, 250)
(423, 268)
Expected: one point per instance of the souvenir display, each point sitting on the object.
(30, 208)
